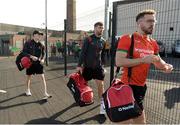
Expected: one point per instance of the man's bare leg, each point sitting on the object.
(28, 83)
(100, 85)
(45, 86)
(130, 121)
(141, 119)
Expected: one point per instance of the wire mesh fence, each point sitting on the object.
(162, 102)
(75, 39)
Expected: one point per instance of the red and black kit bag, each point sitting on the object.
(82, 93)
(119, 102)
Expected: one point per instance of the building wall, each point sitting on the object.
(5, 43)
(53, 40)
(14, 29)
(19, 40)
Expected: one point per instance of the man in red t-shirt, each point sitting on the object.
(145, 53)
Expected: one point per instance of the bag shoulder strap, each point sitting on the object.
(131, 49)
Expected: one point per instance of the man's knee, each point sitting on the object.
(100, 83)
(141, 119)
(42, 76)
(28, 76)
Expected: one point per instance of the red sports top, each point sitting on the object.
(143, 46)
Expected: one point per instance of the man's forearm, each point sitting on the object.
(125, 62)
(43, 56)
(82, 54)
(81, 57)
(103, 57)
(160, 64)
(80, 62)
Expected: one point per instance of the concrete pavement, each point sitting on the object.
(16, 108)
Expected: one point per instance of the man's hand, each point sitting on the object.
(80, 69)
(168, 68)
(34, 58)
(150, 59)
(42, 61)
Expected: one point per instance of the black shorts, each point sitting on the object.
(90, 73)
(139, 94)
(35, 69)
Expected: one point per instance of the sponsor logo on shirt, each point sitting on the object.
(144, 52)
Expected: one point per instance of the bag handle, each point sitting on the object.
(115, 81)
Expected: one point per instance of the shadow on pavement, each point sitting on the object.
(36, 82)
(45, 121)
(42, 101)
(172, 97)
(51, 120)
(23, 94)
(99, 118)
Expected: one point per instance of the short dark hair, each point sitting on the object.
(145, 12)
(98, 24)
(35, 32)
(41, 33)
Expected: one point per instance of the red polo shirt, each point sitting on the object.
(143, 46)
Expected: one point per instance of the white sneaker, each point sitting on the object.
(28, 92)
(102, 108)
(3, 91)
(46, 96)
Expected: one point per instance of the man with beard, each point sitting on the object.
(92, 57)
(145, 52)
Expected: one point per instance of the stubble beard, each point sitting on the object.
(99, 33)
(148, 31)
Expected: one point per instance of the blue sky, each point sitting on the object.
(32, 12)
